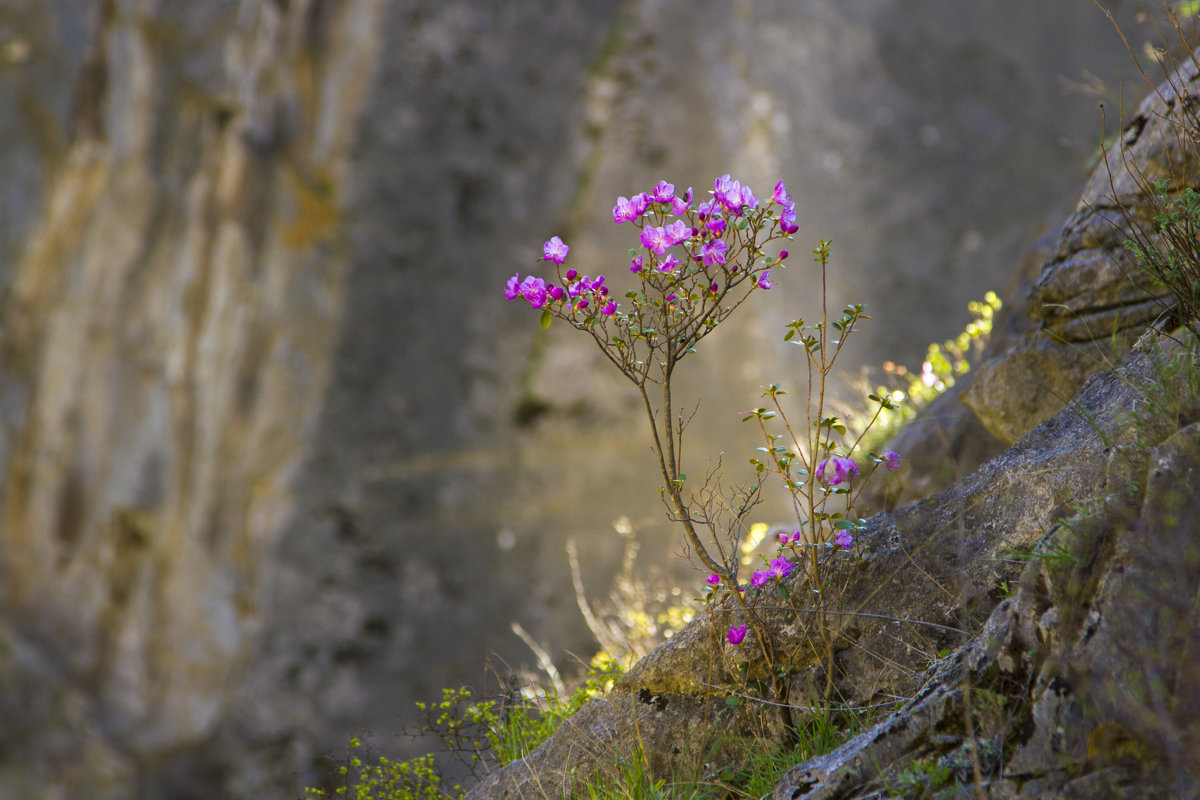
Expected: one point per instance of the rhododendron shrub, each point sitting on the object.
(695, 264)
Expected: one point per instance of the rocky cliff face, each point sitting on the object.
(268, 432)
(171, 326)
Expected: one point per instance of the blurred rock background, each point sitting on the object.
(279, 459)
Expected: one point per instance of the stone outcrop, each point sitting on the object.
(1082, 683)
(1091, 300)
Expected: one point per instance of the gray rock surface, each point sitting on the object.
(168, 337)
(1091, 300)
(1083, 684)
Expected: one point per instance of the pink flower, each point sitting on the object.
(534, 290)
(736, 634)
(669, 263)
(760, 577)
(635, 264)
(681, 204)
(780, 566)
(627, 210)
(763, 283)
(844, 470)
(784, 538)
(781, 195)
(609, 308)
(732, 195)
(713, 252)
(844, 539)
(664, 192)
(554, 250)
(787, 220)
(512, 289)
(678, 231)
(656, 240)
(891, 460)
(713, 580)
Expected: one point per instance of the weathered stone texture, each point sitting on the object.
(173, 319)
(1091, 300)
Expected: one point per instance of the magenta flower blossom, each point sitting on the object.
(678, 231)
(715, 224)
(780, 567)
(512, 289)
(713, 580)
(732, 195)
(708, 208)
(727, 192)
(556, 293)
(629, 209)
(609, 308)
(748, 199)
(664, 192)
(736, 634)
(891, 460)
(635, 264)
(844, 539)
(681, 204)
(554, 250)
(782, 255)
(784, 538)
(844, 470)
(760, 577)
(713, 252)
(780, 195)
(656, 240)
(787, 220)
(669, 263)
(534, 290)
(763, 283)
(714, 288)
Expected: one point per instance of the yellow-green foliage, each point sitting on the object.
(911, 390)
(470, 729)
(363, 777)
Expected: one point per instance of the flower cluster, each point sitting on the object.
(692, 256)
(836, 470)
(779, 568)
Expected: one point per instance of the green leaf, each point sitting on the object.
(546, 318)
